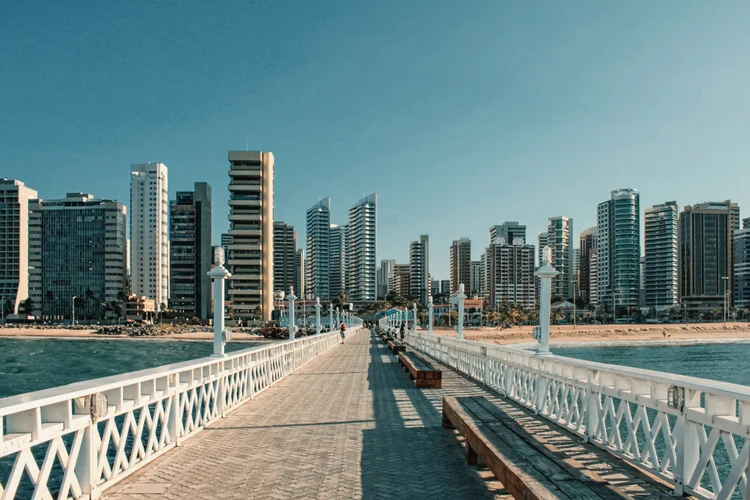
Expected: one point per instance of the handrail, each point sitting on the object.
(668, 424)
(102, 430)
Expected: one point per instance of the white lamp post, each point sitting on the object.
(291, 298)
(219, 274)
(317, 315)
(459, 300)
(430, 307)
(414, 324)
(330, 315)
(73, 311)
(545, 273)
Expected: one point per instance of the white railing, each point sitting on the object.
(693, 433)
(89, 435)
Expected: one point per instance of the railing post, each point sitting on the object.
(219, 275)
(592, 408)
(85, 468)
(687, 445)
(486, 360)
(291, 298)
(174, 418)
(430, 309)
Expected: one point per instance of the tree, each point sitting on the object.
(118, 310)
(26, 307)
(557, 316)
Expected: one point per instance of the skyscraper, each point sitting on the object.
(660, 252)
(476, 277)
(587, 249)
(226, 241)
(705, 257)
(190, 252)
(618, 250)
(300, 275)
(149, 243)
(560, 240)
(338, 259)
(419, 268)
(400, 280)
(741, 248)
(510, 231)
(251, 229)
(285, 258)
(77, 250)
(363, 236)
(318, 244)
(14, 243)
(510, 273)
(384, 278)
(460, 265)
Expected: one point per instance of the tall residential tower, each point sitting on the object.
(317, 255)
(149, 242)
(363, 234)
(251, 229)
(419, 268)
(190, 252)
(14, 243)
(660, 252)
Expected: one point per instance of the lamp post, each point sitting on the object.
(317, 315)
(545, 273)
(330, 315)
(291, 298)
(73, 311)
(430, 307)
(219, 274)
(459, 300)
(414, 313)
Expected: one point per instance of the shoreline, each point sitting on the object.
(614, 335)
(61, 333)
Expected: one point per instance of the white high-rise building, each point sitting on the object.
(14, 243)
(509, 273)
(338, 259)
(317, 256)
(149, 231)
(419, 268)
(363, 234)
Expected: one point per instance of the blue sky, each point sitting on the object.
(459, 115)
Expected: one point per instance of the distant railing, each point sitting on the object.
(693, 433)
(91, 434)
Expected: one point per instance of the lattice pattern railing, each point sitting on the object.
(53, 446)
(700, 446)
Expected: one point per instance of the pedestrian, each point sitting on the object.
(402, 332)
(342, 330)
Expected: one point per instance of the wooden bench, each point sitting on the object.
(528, 469)
(421, 371)
(395, 346)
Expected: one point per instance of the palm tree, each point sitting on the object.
(557, 316)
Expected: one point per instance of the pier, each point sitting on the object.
(312, 418)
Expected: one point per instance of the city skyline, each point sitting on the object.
(637, 101)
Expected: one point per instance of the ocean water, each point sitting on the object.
(28, 365)
(724, 362)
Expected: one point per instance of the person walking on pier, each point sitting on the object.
(342, 330)
(402, 332)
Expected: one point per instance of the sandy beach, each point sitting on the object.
(90, 334)
(612, 333)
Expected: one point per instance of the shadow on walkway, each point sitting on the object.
(408, 454)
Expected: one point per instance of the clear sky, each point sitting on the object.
(459, 115)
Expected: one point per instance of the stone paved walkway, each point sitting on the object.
(350, 424)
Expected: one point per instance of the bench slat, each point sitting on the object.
(543, 464)
(518, 477)
(593, 480)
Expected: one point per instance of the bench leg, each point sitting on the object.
(447, 424)
(471, 455)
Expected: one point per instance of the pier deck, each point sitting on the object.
(350, 424)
